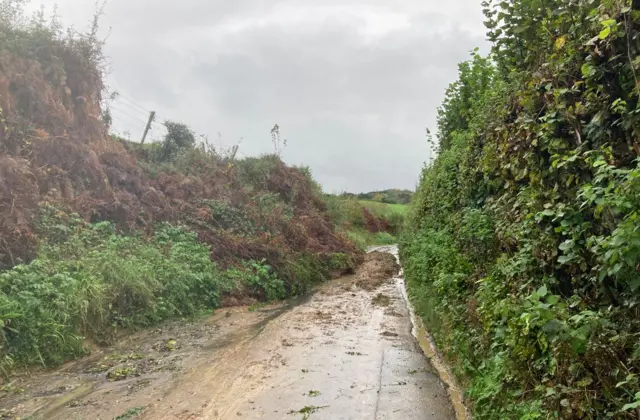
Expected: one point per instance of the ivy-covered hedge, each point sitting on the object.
(523, 254)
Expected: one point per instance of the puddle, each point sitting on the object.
(428, 346)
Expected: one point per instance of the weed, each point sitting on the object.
(130, 414)
(256, 306)
(11, 389)
(313, 393)
(307, 411)
(121, 374)
(171, 345)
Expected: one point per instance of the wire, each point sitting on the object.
(132, 108)
(128, 115)
(134, 103)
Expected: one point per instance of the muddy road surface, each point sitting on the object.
(344, 352)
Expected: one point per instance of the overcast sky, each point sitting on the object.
(352, 83)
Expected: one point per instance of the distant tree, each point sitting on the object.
(179, 137)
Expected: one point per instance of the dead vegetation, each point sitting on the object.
(55, 148)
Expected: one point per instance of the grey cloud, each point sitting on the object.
(352, 83)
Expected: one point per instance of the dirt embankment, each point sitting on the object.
(55, 148)
(377, 268)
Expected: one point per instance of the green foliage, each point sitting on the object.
(340, 262)
(315, 185)
(89, 281)
(179, 138)
(261, 278)
(304, 270)
(393, 214)
(130, 414)
(234, 219)
(345, 211)
(255, 171)
(364, 239)
(348, 213)
(394, 196)
(385, 208)
(523, 245)
(461, 97)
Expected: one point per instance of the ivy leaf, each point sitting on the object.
(597, 119)
(605, 32)
(602, 275)
(542, 291)
(563, 259)
(587, 70)
(585, 382)
(560, 42)
(568, 244)
(632, 405)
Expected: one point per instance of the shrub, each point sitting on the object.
(179, 138)
(90, 281)
(264, 280)
(523, 244)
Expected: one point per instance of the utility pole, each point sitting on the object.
(152, 117)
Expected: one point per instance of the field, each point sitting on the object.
(384, 208)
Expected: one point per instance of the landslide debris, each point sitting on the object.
(377, 268)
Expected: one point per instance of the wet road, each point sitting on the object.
(344, 353)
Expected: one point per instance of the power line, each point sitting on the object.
(121, 114)
(132, 108)
(124, 113)
(134, 103)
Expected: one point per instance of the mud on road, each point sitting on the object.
(344, 352)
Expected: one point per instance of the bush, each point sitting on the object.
(179, 138)
(523, 244)
(89, 281)
(264, 280)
